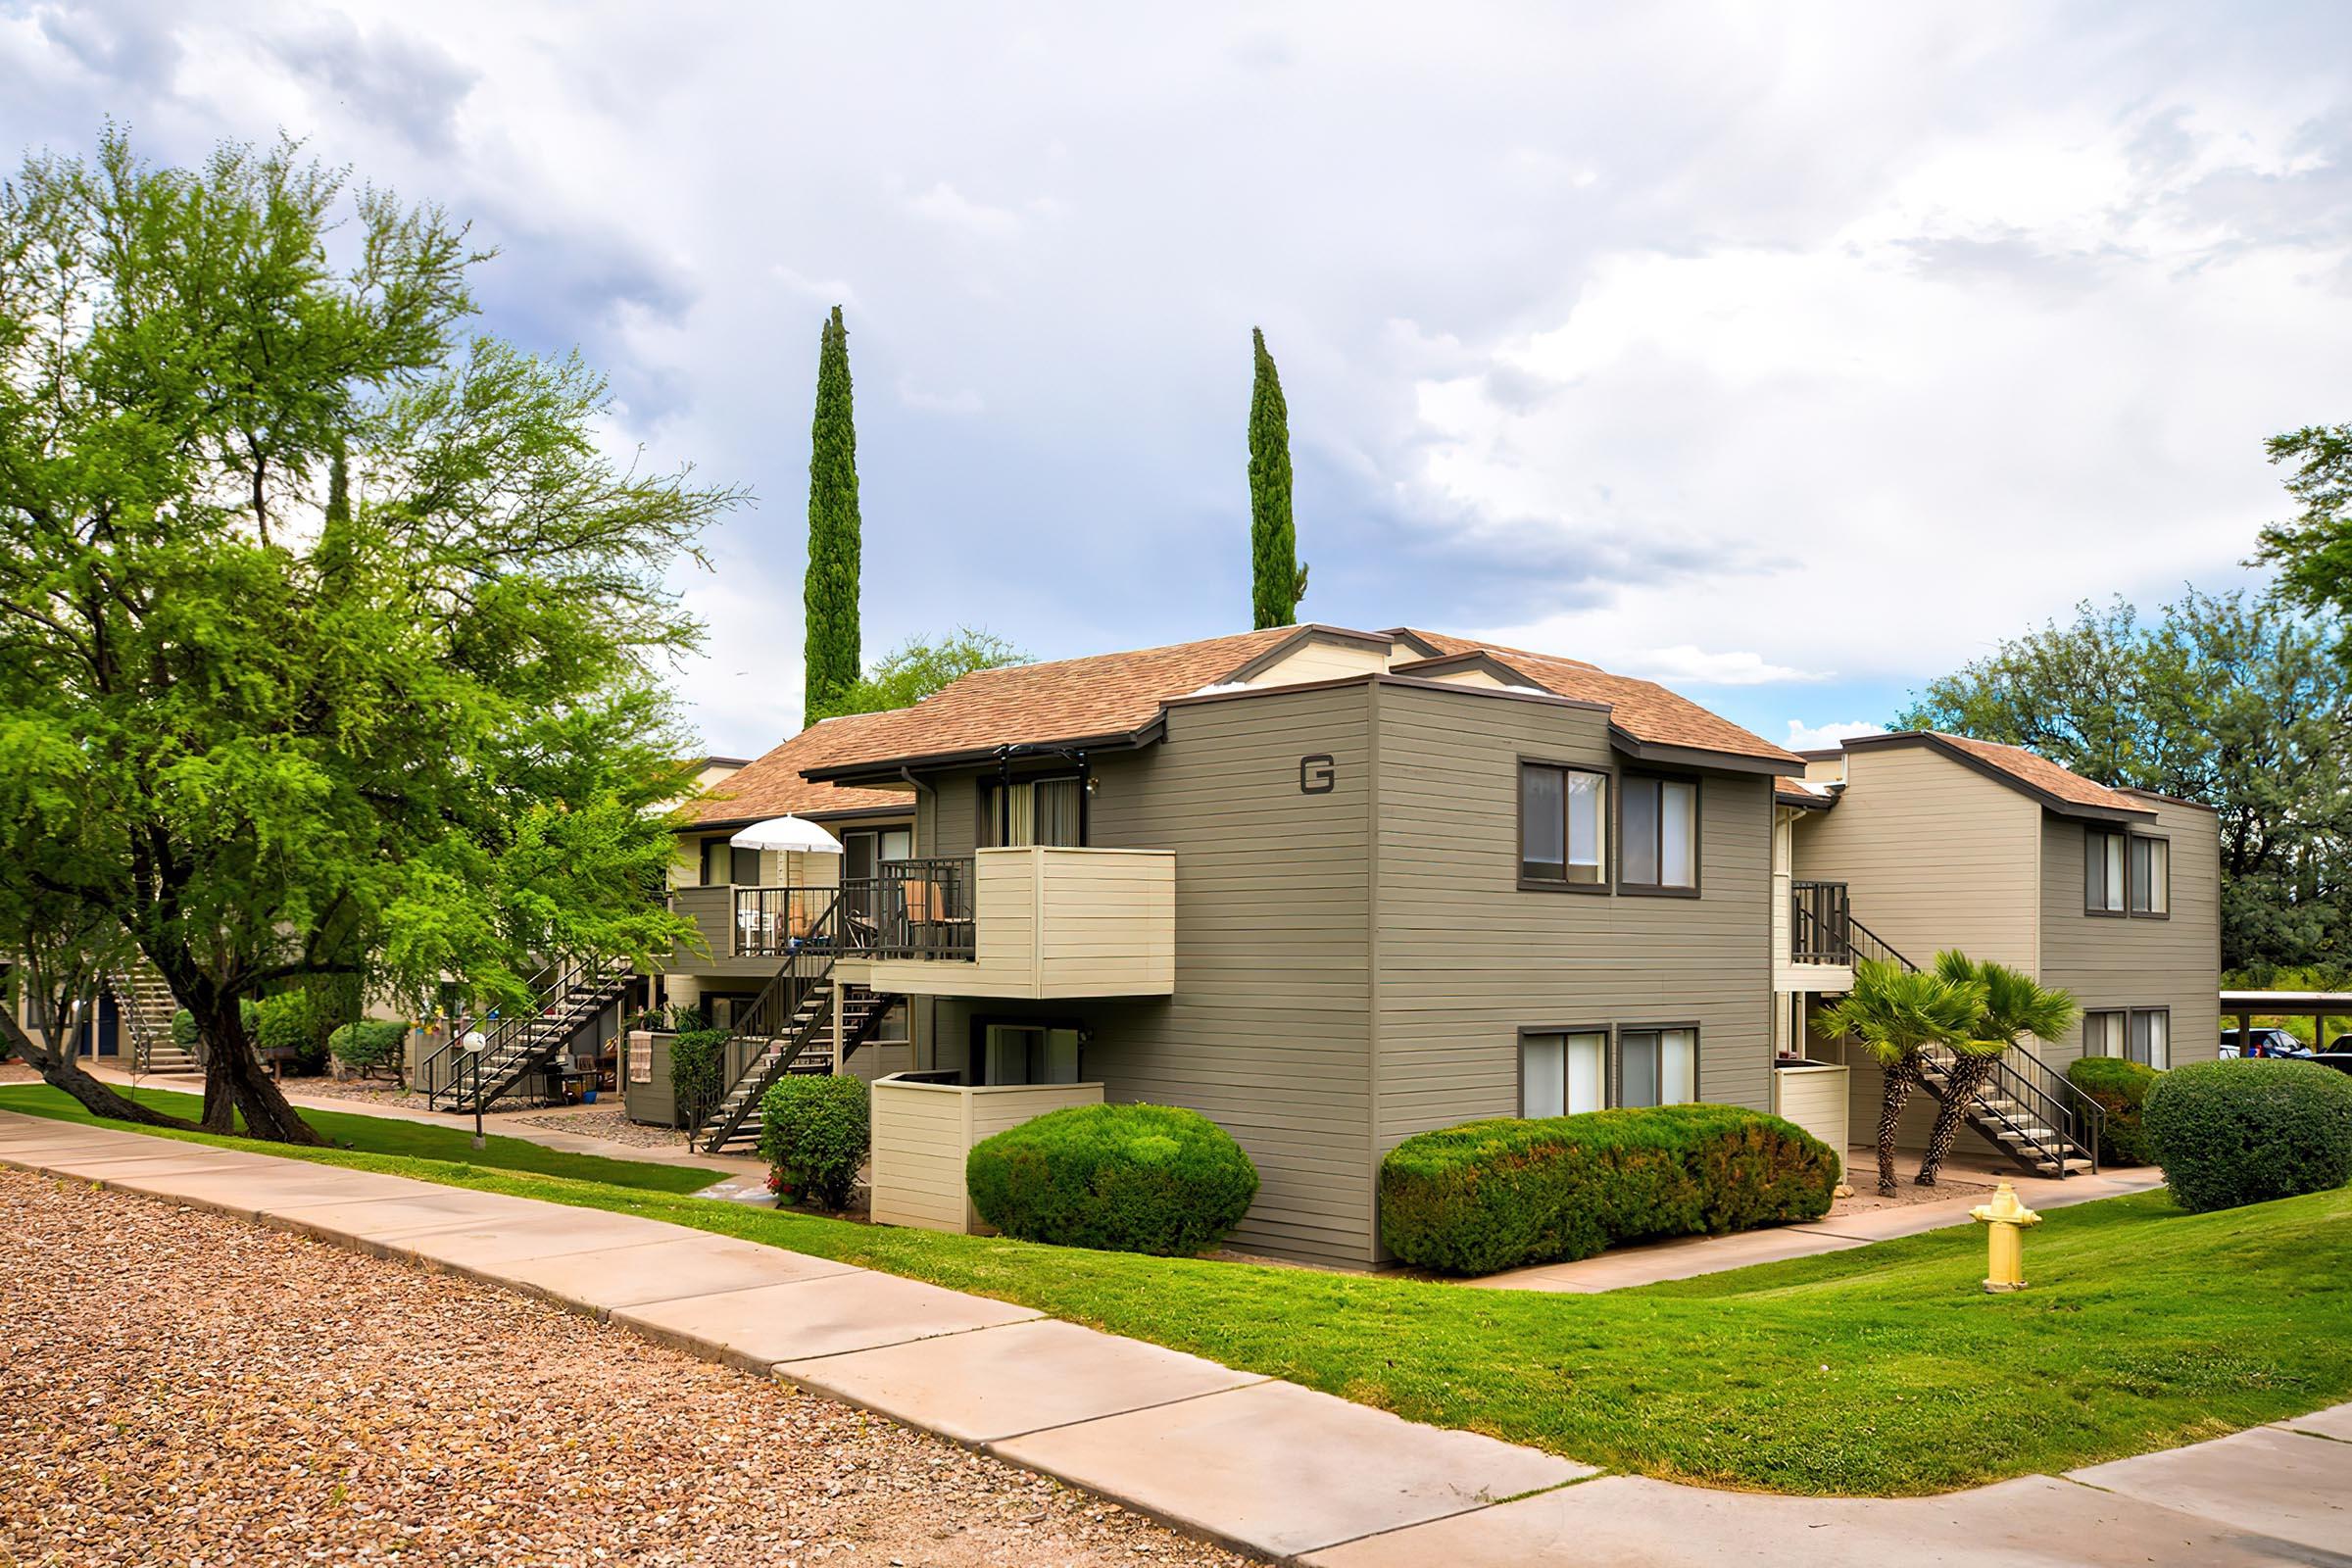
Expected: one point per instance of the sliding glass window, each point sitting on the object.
(1657, 1067)
(1563, 826)
(2151, 876)
(2103, 877)
(1563, 1074)
(1661, 836)
(1039, 810)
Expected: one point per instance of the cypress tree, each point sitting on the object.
(830, 597)
(1276, 582)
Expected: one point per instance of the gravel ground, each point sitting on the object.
(367, 1090)
(608, 1122)
(180, 1387)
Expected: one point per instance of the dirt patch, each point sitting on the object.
(179, 1387)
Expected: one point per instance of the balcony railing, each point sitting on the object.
(909, 909)
(1820, 923)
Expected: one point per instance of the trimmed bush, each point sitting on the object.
(1504, 1194)
(2243, 1132)
(695, 1058)
(183, 1031)
(2122, 1090)
(282, 1024)
(814, 1131)
(1117, 1178)
(368, 1044)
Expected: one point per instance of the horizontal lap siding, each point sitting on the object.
(1467, 959)
(1935, 854)
(2113, 964)
(1266, 1034)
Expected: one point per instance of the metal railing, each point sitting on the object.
(911, 910)
(1820, 923)
(1866, 945)
(771, 922)
(2052, 1118)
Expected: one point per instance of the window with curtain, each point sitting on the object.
(2151, 876)
(1563, 1074)
(2103, 874)
(2150, 1041)
(1657, 1067)
(1661, 835)
(1039, 810)
(1564, 825)
(723, 864)
(2103, 1034)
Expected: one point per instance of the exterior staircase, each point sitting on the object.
(572, 993)
(145, 1005)
(2035, 1116)
(801, 1044)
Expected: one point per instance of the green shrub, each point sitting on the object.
(2121, 1089)
(1504, 1194)
(2243, 1132)
(1118, 1178)
(286, 1024)
(814, 1131)
(695, 1059)
(368, 1044)
(183, 1031)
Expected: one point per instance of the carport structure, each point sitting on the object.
(2316, 1006)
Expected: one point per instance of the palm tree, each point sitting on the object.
(2015, 1005)
(1897, 1013)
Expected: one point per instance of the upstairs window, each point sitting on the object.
(723, 864)
(1661, 836)
(2151, 876)
(1031, 810)
(2103, 874)
(1563, 826)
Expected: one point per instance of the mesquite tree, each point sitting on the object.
(829, 598)
(404, 724)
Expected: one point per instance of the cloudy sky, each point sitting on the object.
(1788, 354)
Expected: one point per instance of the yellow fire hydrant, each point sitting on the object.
(2006, 1220)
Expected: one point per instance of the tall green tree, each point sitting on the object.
(917, 668)
(830, 598)
(2226, 699)
(1896, 1014)
(1276, 582)
(424, 738)
(2014, 1007)
(2313, 550)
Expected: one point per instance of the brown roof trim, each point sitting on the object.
(1374, 677)
(736, 825)
(1313, 632)
(1690, 756)
(1414, 639)
(1475, 659)
(1806, 799)
(1974, 764)
(2169, 799)
(887, 767)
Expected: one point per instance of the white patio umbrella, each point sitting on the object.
(787, 833)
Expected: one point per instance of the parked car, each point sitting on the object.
(2263, 1042)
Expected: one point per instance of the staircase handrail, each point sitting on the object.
(769, 1014)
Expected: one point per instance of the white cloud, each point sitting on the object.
(942, 204)
(1803, 737)
(962, 401)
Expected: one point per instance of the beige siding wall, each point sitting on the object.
(2134, 962)
(1935, 854)
(1466, 959)
(1267, 1033)
(1816, 1099)
(1318, 661)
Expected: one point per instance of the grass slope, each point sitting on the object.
(383, 1135)
(1876, 1371)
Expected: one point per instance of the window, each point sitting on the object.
(723, 864)
(1563, 1074)
(1657, 1067)
(2149, 1041)
(2103, 1034)
(1031, 810)
(2103, 875)
(1563, 826)
(1661, 836)
(891, 1029)
(2151, 876)
(1025, 1053)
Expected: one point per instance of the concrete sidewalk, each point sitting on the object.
(1253, 1462)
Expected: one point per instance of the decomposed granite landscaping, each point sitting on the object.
(1881, 1370)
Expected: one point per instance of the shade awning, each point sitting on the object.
(789, 833)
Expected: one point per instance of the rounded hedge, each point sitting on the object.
(370, 1044)
(2243, 1132)
(1118, 1178)
(696, 1085)
(815, 1130)
(1504, 1194)
(2121, 1089)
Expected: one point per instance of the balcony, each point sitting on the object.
(1813, 938)
(1034, 923)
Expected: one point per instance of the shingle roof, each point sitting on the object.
(1643, 709)
(772, 785)
(1067, 699)
(1804, 792)
(1119, 694)
(2016, 767)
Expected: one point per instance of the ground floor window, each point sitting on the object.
(2149, 1041)
(891, 1028)
(1657, 1067)
(1029, 1054)
(2103, 1034)
(1563, 1074)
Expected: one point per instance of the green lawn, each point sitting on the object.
(382, 1134)
(1880, 1370)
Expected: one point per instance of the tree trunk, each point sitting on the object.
(1896, 1085)
(97, 1096)
(1961, 1087)
(234, 1084)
